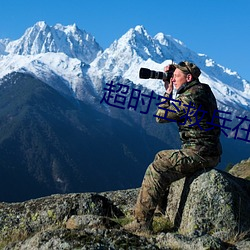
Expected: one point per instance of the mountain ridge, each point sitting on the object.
(122, 136)
(135, 49)
(42, 38)
(55, 144)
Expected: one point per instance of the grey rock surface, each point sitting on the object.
(209, 210)
(212, 202)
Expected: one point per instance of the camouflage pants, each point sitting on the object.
(167, 167)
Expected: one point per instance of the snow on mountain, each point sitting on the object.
(63, 73)
(73, 56)
(57, 55)
(3, 43)
(125, 55)
(42, 38)
(137, 49)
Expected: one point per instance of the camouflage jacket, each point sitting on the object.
(195, 111)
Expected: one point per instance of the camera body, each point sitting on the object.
(146, 73)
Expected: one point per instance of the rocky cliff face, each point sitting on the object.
(207, 211)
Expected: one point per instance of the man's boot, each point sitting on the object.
(137, 226)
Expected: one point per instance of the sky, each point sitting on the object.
(217, 28)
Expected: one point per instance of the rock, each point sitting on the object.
(243, 245)
(209, 210)
(241, 169)
(63, 239)
(90, 221)
(123, 199)
(178, 241)
(20, 220)
(212, 202)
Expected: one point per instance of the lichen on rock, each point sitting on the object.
(209, 210)
(211, 202)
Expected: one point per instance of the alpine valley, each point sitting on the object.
(58, 131)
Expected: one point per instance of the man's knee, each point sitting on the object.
(162, 154)
(161, 161)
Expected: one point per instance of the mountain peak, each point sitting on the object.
(134, 46)
(41, 24)
(69, 28)
(42, 38)
(166, 39)
(140, 29)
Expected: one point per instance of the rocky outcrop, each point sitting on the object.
(209, 210)
(211, 202)
(241, 169)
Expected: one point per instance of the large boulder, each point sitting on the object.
(19, 221)
(210, 202)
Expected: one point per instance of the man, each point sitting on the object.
(195, 111)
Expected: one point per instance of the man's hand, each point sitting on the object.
(168, 85)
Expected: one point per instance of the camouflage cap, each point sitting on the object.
(189, 68)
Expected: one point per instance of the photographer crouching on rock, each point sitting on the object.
(195, 111)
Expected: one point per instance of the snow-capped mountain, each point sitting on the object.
(137, 49)
(57, 55)
(55, 138)
(73, 55)
(70, 40)
(64, 73)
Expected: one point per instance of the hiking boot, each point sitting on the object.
(140, 227)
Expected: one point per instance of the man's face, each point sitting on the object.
(179, 78)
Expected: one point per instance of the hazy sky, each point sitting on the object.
(218, 28)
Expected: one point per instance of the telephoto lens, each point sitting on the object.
(147, 73)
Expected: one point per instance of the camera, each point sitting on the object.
(145, 73)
